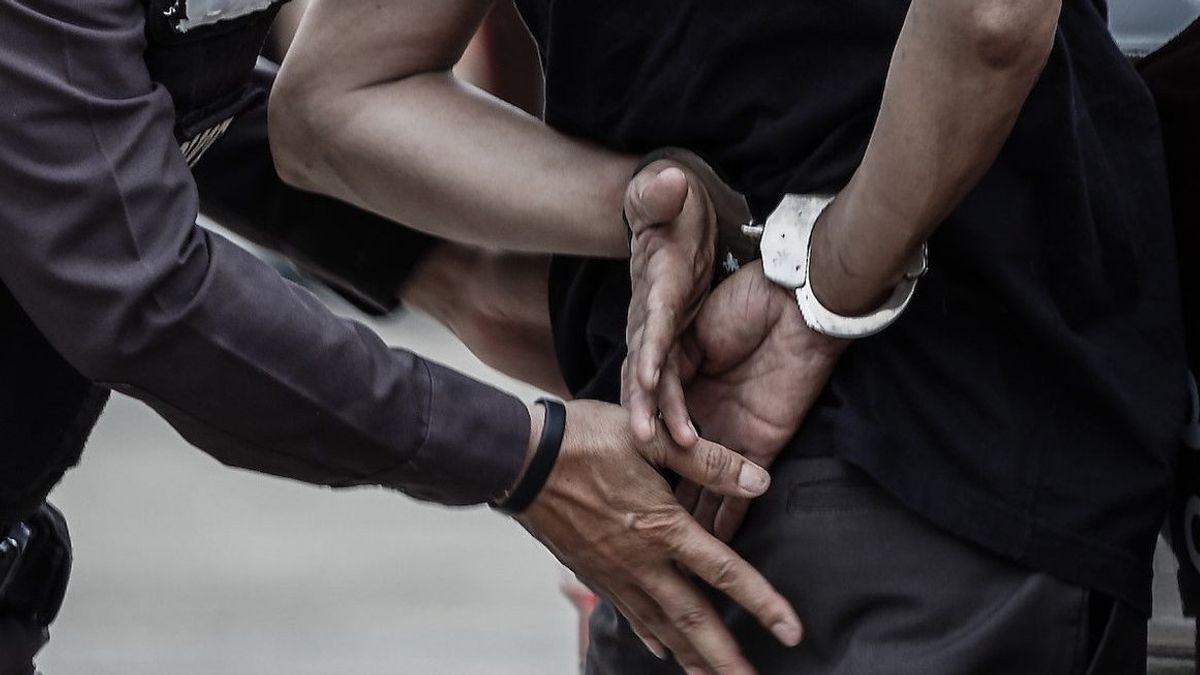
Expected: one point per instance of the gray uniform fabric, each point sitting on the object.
(883, 592)
(100, 247)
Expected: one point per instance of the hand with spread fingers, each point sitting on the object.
(752, 369)
(608, 514)
(738, 360)
(675, 205)
(673, 231)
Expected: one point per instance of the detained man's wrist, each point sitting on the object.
(627, 167)
(840, 280)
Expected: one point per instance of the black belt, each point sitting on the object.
(35, 564)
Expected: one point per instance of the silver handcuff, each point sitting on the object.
(785, 246)
(784, 243)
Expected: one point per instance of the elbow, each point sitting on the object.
(97, 362)
(293, 121)
(101, 356)
(1012, 35)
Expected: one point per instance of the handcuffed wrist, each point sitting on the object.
(787, 246)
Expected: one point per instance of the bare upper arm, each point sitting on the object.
(344, 45)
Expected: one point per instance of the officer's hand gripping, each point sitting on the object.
(673, 231)
(608, 514)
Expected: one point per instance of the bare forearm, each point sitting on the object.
(390, 129)
(959, 77)
(286, 23)
(496, 303)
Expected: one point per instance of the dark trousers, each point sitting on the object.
(883, 592)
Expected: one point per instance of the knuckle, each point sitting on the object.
(714, 464)
(689, 620)
(653, 452)
(661, 525)
(724, 665)
(726, 574)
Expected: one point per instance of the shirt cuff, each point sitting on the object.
(475, 444)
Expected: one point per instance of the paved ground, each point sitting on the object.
(187, 568)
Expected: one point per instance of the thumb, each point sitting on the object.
(655, 197)
(712, 466)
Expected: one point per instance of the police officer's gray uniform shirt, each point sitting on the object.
(100, 247)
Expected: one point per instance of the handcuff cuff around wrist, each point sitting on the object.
(784, 243)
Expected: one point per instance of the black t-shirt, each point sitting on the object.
(1031, 398)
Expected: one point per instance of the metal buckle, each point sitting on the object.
(13, 545)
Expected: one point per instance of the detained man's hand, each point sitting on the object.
(608, 514)
(752, 370)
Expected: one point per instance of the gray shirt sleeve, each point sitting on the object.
(99, 244)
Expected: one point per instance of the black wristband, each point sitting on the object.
(544, 458)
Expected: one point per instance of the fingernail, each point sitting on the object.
(693, 427)
(652, 644)
(787, 633)
(657, 375)
(753, 479)
(656, 649)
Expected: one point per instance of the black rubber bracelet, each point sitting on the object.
(544, 458)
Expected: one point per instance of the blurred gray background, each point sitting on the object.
(185, 567)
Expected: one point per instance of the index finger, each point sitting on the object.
(729, 573)
(711, 466)
(694, 620)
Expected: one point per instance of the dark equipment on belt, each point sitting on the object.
(35, 564)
